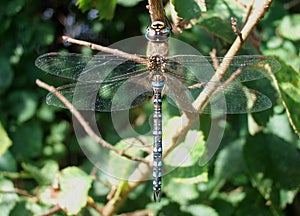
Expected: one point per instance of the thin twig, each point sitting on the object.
(115, 52)
(19, 191)
(156, 10)
(257, 14)
(51, 211)
(93, 205)
(84, 124)
(144, 212)
(213, 55)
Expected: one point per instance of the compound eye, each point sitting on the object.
(157, 32)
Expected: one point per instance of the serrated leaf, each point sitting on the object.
(23, 105)
(273, 168)
(213, 24)
(290, 27)
(187, 9)
(74, 185)
(5, 141)
(8, 197)
(287, 81)
(44, 175)
(106, 8)
(183, 160)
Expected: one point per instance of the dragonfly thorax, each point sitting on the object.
(156, 63)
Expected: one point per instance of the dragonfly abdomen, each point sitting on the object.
(157, 84)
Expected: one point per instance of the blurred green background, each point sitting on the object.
(254, 174)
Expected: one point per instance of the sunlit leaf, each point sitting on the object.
(74, 186)
(106, 8)
(290, 27)
(5, 141)
(287, 81)
(189, 152)
(181, 193)
(8, 197)
(85, 5)
(44, 175)
(121, 167)
(128, 3)
(201, 210)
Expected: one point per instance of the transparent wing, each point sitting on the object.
(232, 99)
(195, 68)
(97, 68)
(105, 97)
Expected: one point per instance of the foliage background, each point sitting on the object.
(250, 174)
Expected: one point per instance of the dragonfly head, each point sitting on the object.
(157, 32)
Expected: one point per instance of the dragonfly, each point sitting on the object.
(109, 82)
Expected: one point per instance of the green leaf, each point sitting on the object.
(5, 23)
(74, 185)
(187, 9)
(213, 24)
(27, 141)
(181, 193)
(121, 167)
(287, 81)
(253, 204)
(128, 3)
(106, 8)
(8, 162)
(45, 175)
(5, 141)
(290, 27)
(273, 168)
(183, 162)
(86, 5)
(8, 197)
(189, 152)
(229, 161)
(14, 6)
(201, 210)
(6, 74)
(23, 105)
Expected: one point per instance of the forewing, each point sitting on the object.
(84, 68)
